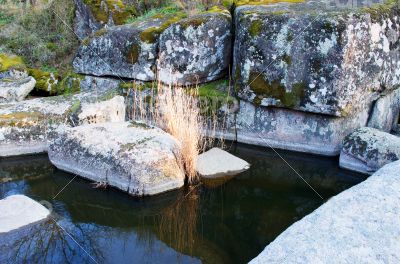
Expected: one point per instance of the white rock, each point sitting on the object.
(18, 211)
(132, 157)
(15, 89)
(25, 126)
(360, 225)
(219, 163)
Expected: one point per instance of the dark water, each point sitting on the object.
(230, 223)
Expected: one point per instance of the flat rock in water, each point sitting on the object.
(132, 157)
(359, 225)
(368, 149)
(25, 126)
(18, 211)
(219, 163)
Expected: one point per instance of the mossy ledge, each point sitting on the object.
(11, 62)
(274, 89)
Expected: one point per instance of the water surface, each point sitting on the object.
(229, 223)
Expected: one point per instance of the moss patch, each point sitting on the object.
(152, 34)
(255, 28)
(116, 8)
(46, 82)
(8, 62)
(276, 90)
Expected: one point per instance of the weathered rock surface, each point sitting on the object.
(367, 150)
(196, 49)
(131, 157)
(291, 130)
(127, 51)
(93, 83)
(385, 114)
(26, 126)
(358, 225)
(316, 59)
(18, 211)
(219, 163)
(12, 90)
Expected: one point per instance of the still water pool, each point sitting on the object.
(211, 223)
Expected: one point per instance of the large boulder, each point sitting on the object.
(314, 58)
(367, 150)
(26, 126)
(196, 49)
(359, 225)
(132, 157)
(127, 51)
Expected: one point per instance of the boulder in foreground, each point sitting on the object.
(132, 157)
(26, 126)
(359, 225)
(367, 150)
(219, 163)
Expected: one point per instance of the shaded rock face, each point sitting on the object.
(127, 51)
(385, 113)
(196, 50)
(93, 83)
(351, 223)
(367, 150)
(26, 126)
(136, 159)
(290, 129)
(85, 23)
(12, 89)
(328, 63)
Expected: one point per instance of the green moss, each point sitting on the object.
(133, 53)
(20, 119)
(8, 62)
(86, 41)
(46, 82)
(71, 83)
(276, 90)
(265, 2)
(255, 28)
(75, 107)
(194, 22)
(157, 13)
(151, 34)
(382, 10)
(139, 86)
(100, 32)
(116, 8)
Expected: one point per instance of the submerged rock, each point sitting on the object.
(26, 126)
(196, 49)
(217, 163)
(360, 224)
(19, 217)
(127, 51)
(367, 150)
(314, 58)
(19, 211)
(132, 157)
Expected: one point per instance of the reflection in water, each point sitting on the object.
(228, 223)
